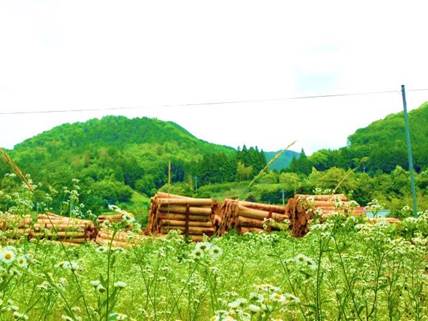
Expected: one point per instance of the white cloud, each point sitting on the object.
(78, 54)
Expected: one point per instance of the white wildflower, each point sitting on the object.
(8, 255)
(120, 284)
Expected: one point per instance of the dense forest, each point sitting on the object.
(381, 146)
(116, 160)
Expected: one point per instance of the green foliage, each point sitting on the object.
(283, 162)
(107, 192)
(252, 157)
(381, 146)
(301, 164)
(114, 157)
(244, 172)
(216, 168)
(120, 161)
(367, 272)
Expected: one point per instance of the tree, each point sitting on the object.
(244, 172)
(301, 165)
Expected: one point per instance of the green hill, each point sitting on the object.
(283, 161)
(381, 146)
(114, 157)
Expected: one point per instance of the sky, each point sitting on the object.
(152, 58)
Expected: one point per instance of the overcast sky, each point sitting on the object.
(57, 55)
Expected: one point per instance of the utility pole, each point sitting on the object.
(283, 197)
(196, 183)
(409, 152)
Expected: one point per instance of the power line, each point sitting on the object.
(209, 103)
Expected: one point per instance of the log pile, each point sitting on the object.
(111, 218)
(48, 226)
(193, 217)
(303, 208)
(327, 205)
(246, 217)
(124, 239)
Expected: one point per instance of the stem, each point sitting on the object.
(348, 284)
(292, 287)
(318, 289)
(108, 272)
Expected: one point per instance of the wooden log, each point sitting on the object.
(174, 216)
(42, 231)
(196, 238)
(65, 243)
(192, 229)
(298, 216)
(165, 208)
(324, 203)
(58, 234)
(121, 237)
(76, 240)
(169, 195)
(217, 219)
(62, 221)
(190, 202)
(341, 197)
(264, 207)
(183, 223)
(258, 214)
(54, 217)
(248, 222)
(251, 230)
(58, 227)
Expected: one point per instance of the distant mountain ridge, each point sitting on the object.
(283, 161)
(381, 146)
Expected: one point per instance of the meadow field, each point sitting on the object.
(344, 269)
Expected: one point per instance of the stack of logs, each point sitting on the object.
(124, 238)
(111, 218)
(193, 217)
(326, 205)
(248, 216)
(303, 208)
(49, 227)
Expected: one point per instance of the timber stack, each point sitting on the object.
(110, 218)
(118, 229)
(244, 216)
(48, 226)
(327, 205)
(125, 239)
(193, 217)
(303, 208)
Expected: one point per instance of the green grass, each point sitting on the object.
(342, 270)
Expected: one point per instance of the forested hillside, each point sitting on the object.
(117, 160)
(115, 157)
(283, 161)
(381, 146)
